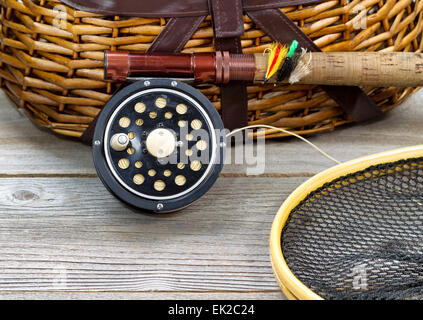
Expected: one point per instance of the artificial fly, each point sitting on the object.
(290, 63)
(277, 55)
(287, 61)
(303, 68)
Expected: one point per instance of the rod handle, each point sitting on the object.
(378, 69)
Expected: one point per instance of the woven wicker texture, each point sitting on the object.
(52, 59)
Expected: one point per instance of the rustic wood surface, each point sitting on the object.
(63, 236)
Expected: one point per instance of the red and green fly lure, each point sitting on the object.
(277, 55)
(286, 61)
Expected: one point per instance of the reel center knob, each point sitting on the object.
(119, 142)
(161, 143)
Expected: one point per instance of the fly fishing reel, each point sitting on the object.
(159, 145)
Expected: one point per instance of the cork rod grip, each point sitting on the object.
(396, 69)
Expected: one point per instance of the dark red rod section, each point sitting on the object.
(218, 67)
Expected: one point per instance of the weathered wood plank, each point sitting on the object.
(57, 295)
(27, 150)
(72, 229)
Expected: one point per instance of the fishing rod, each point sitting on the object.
(383, 69)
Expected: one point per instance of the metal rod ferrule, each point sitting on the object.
(219, 67)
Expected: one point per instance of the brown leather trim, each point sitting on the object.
(234, 99)
(170, 8)
(234, 105)
(280, 28)
(87, 136)
(227, 15)
(176, 34)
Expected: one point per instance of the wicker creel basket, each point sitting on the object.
(55, 70)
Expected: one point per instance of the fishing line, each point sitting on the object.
(286, 132)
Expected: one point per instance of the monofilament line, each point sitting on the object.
(286, 132)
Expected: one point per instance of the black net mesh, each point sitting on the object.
(361, 236)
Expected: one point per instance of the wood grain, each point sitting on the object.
(73, 226)
(57, 295)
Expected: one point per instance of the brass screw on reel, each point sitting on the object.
(159, 145)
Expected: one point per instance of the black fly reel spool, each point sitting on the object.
(159, 145)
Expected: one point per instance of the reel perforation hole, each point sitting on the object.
(172, 153)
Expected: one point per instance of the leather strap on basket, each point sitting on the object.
(228, 24)
(173, 38)
(176, 34)
(355, 102)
